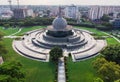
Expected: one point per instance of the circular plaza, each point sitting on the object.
(36, 44)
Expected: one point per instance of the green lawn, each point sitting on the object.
(30, 29)
(37, 71)
(81, 71)
(112, 41)
(11, 30)
(8, 31)
(98, 32)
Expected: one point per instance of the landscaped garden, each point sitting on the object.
(37, 71)
(29, 29)
(116, 33)
(83, 71)
(8, 31)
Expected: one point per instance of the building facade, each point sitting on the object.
(96, 12)
(5, 13)
(116, 23)
(22, 13)
(71, 12)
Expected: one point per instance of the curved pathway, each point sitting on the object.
(16, 32)
(12, 35)
(112, 36)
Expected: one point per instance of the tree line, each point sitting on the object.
(29, 21)
(107, 66)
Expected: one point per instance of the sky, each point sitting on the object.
(62, 2)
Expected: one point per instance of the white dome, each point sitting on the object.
(59, 23)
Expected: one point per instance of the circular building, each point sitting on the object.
(59, 28)
(36, 44)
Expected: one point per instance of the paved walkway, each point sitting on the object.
(61, 71)
(112, 36)
(12, 35)
(16, 32)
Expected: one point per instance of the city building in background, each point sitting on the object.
(68, 11)
(71, 11)
(96, 12)
(5, 13)
(116, 23)
(22, 13)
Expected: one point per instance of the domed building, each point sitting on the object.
(36, 44)
(59, 28)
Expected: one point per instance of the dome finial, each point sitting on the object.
(60, 12)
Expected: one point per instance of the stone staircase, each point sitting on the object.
(61, 70)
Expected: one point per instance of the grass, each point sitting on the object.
(98, 32)
(30, 29)
(111, 41)
(44, 72)
(81, 71)
(36, 71)
(11, 30)
(8, 31)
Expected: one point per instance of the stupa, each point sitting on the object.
(36, 44)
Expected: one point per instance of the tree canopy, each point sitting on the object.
(108, 71)
(56, 53)
(105, 18)
(117, 80)
(112, 53)
(5, 78)
(11, 70)
(98, 80)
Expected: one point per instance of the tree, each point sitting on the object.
(98, 80)
(5, 78)
(117, 80)
(13, 70)
(108, 71)
(56, 53)
(105, 18)
(99, 62)
(112, 53)
(6, 25)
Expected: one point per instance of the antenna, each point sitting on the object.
(10, 4)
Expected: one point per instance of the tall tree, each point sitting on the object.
(13, 70)
(112, 53)
(56, 53)
(105, 18)
(108, 71)
(5, 78)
